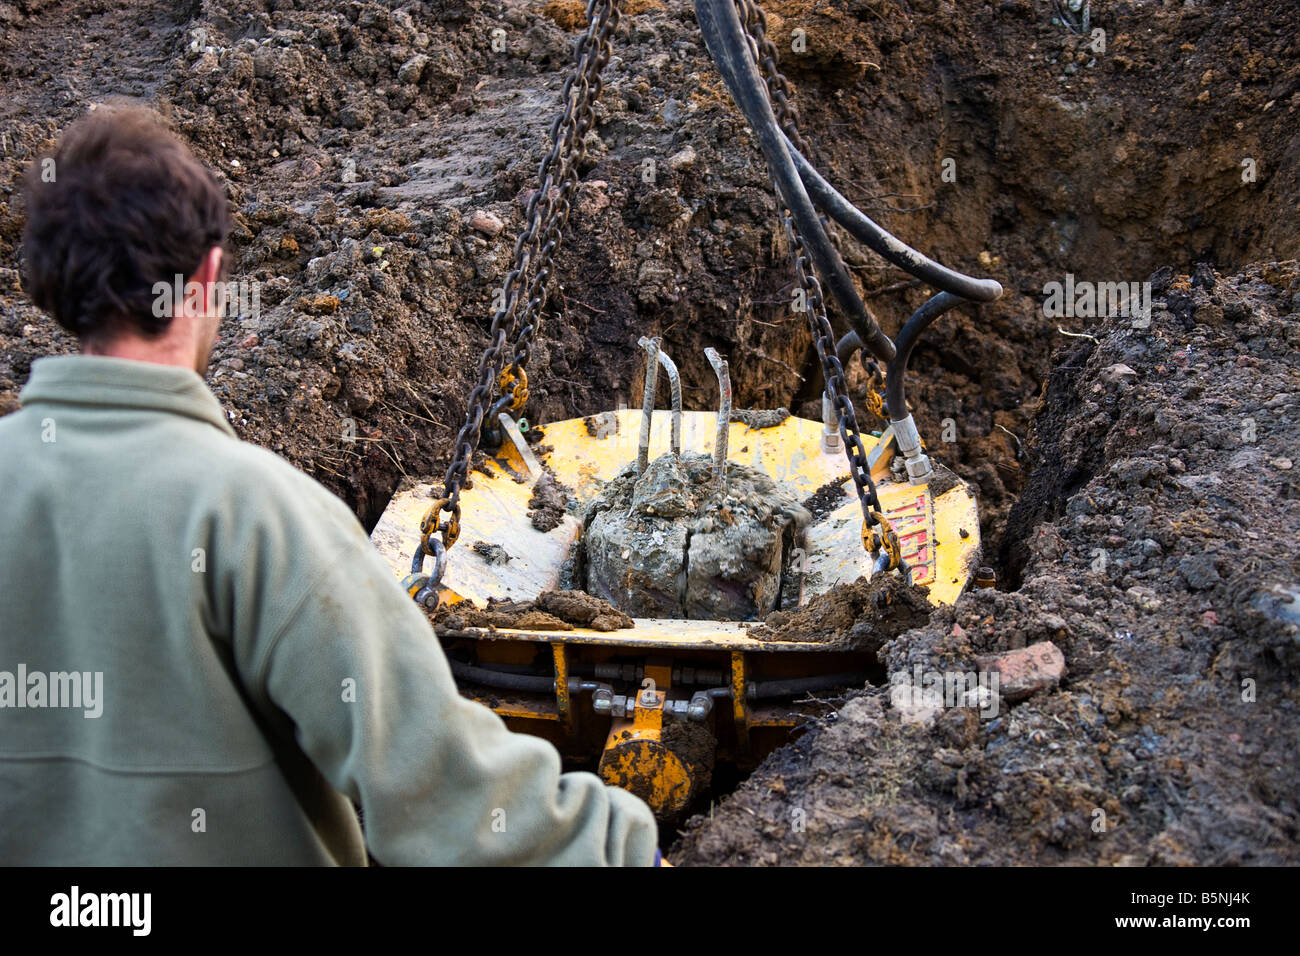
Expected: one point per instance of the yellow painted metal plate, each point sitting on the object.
(494, 511)
(790, 452)
(940, 559)
(654, 632)
(956, 542)
(585, 453)
(506, 706)
(637, 761)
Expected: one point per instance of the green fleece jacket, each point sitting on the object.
(203, 660)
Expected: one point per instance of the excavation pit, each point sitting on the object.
(671, 543)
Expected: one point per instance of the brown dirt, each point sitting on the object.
(760, 418)
(864, 615)
(508, 614)
(602, 425)
(583, 609)
(549, 611)
(695, 746)
(1160, 522)
(546, 506)
(826, 498)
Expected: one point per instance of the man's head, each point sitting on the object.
(123, 209)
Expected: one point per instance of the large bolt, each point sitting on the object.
(830, 426)
(699, 708)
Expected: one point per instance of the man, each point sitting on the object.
(202, 658)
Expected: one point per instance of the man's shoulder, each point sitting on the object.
(18, 419)
(184, 456)
(253, 469)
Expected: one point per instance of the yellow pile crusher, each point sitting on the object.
(656, 704)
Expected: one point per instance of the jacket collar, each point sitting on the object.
(122, 383)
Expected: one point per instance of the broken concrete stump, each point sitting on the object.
(669, 543)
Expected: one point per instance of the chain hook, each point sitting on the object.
(424, 588)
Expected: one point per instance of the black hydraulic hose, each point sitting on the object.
(895, 399)
(801, 685)
(888, 246)
(847, 345)
(533, 683)
(728, 44)
(539, 684)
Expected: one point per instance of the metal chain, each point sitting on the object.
(593, 52)
(779, 93)
(779, 90)
(837, 389)
(546, 214)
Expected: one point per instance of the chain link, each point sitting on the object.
(779, 92)
(594, 49)
(525, 287)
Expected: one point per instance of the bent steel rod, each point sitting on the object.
(675, 394)
(724, 417)
(647, 402)
(654, 350)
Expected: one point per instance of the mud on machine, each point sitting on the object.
(690, 523)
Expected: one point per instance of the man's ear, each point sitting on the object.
(207, 275)
(209, 269)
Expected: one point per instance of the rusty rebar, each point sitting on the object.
(675, 384)
(724, 417)
(647, 401)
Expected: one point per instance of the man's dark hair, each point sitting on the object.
(123, 206)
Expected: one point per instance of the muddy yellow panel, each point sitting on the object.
(939, 533)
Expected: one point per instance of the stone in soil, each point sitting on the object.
(1026, 671)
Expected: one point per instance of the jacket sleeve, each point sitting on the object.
(354, 664)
